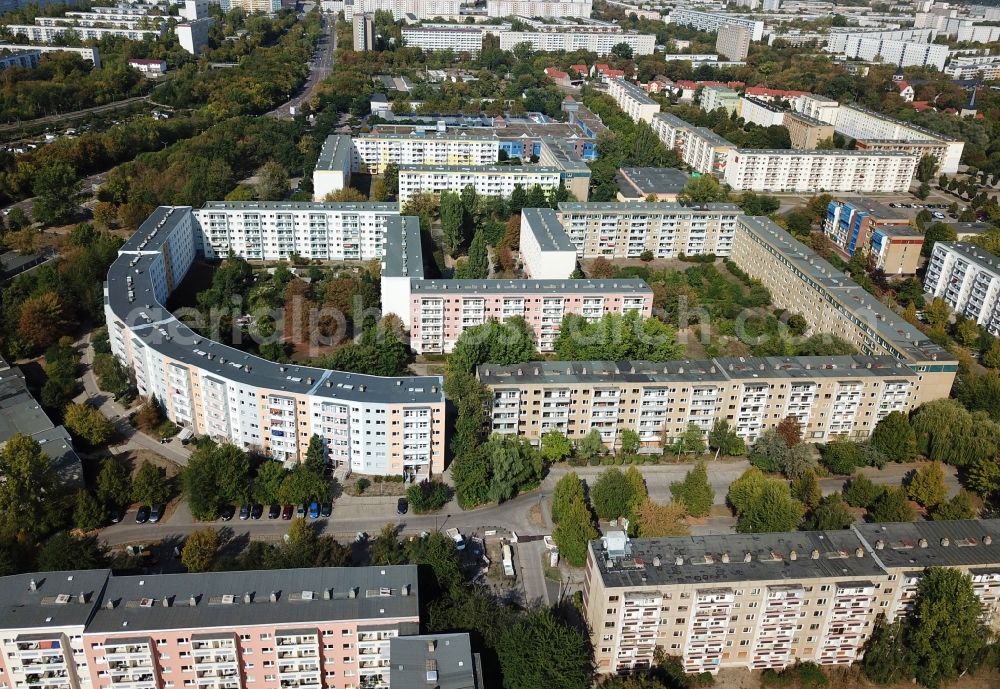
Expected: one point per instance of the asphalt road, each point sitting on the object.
(319, 69)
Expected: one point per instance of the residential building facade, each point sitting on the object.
(761, 112)
(363, 26)
(856, 224)
(600, 42)
(824, 170)
(633, 100)
(714, 21)
(539, 8)
(806, 132)
(715, 97)
(457, 38)
(968, 279)
(487, 180)
(733, 41)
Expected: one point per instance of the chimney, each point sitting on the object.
(945, 542)
(166, 602)
(879, 544)
(32, 585)
(987, 540)
(725, 558)
(748, 556)
(246, 598)
(793, 555)
(922, 543)
(859, 552)
(679, 560)
(656, 560)
(814, 555)
(404, 590)
(192, 601)
(326, 594)
(274, 596)
(82, 598)
(110, 605)
(431, 645)
(352, 592)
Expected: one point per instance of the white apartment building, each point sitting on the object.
(715, 97)
(757, 601)
(831, 397)
(363, 29)
(487, 180)
(761, 112)
(539, 8)
(600, 42)
(275, 230)
(633, 100)
(968, 279)
(905, 48)
(421, 9)
(251, 6)
(370, 424)
(985, 67)
(457, 38)
(668, 230)
(373, 152)
(817, 107)
(547, 252)
(193, 35)
(733, 41)
(23, 59)
(701, 148)
(713, 21)
(819, 171)
(92, 55)
(49, 34)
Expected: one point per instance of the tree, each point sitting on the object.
(56, 188)
(575, 529)
(861, 491)
(150, 485)
(391, 178)
(43, 320)
(495, 471)
(937, 232)
(703, 189)
(272, 181)
(612, 495)
(315, 460)
(555, 447)
(656, 521)
(693, 439)
(695, 492)
(887, 658)
(386, 548)
(629, 441)
(478, 267)
(567, 489)
(88, 513)
(927, 486)
(790, 431)
(958, 507)
(991, 357)
(891, 506)
(622, 50)
(510, 342)
(64, 552)
(805, 489)
(616, 337)
(724, 439)
(769, 452)
(114, 483)
(199, 550)
(830, 514)
(944, 632)
(772, 508)
(536, 649)
(428, 496)
(345, 195)
(301, 485)
(87, 423)
(150, 416)
(27, 488)
(451, 221)
(894, 437)
(842, 457)
(984, 478)
(590, 446)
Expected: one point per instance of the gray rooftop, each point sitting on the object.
(764, 104)
(482, 169)
(807, 119)
(969, 227)
(442, 661)
(647, 207)
(547, 230)
(635, 92)
(549, 288)
(406, 259)
(890, 328)
(335, 154)
(823, 152)
(564, 154)
(151, 322)
(426, 134)
(279, 597)
(975, 254)
(945, 543)
(876, 208)
(673, 120)
(288, 206)
(935, 136)
(654, 561)
(55, 602)
(711, 137)
(694, 371)
(653, 180)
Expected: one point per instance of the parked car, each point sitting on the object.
(256, 512)
(117, 514)
(274, 511)
(227, 513)
(326, 509)
(286, 512)
(142, 516)
(402, 506)
(244, 512)
(313, 510)
(157, 513)
(300, 511)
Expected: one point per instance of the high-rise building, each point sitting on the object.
(364, 32)
(487, 180)
(884, 235)
(539, 8)
(713, 21)
(251, 6)
(733, 41)
(633, 100)
(968, 279)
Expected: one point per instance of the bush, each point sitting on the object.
(362, 484)
(842, 457)
(860, 491)
(428, 496)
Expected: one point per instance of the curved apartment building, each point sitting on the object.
(371, 424)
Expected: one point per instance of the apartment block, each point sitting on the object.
(370, 424)
(633, 100)
(831, 397)
(91, 55)
(251, 6)
(715, 97)
(27, 58)
(801, 281)
(600, 42)
(546, 250)
(701, 148)
(363, 25)
(441, 660)
(650, 183)
(337, 159)
(668, 230)
(275, 230)
(457, 38)
(982, 67)
(421, 9)
(45, 33)
(437, 312)
(856, 224)
(714, 21)
(761, 112)
(539, 8)
(373, 152)
(968, 279)
(487, 180)
(193, 35)
(826, 170)
(806, 132)
(904, 48)
(817, 107)
(733, 41)
(759, 601)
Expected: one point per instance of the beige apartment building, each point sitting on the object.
(831, 397)
(801, 281)
(806, 132)
(768, 600)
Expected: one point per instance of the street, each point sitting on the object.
(319, 69)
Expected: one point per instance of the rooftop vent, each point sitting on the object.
(945, 542)
(793, 555)
(879, 544)
(987, 540)
(32, 585)
(859, 552)
(922, 543)
(748, 556)
(725, 558)
(814, 555)
(679, 560)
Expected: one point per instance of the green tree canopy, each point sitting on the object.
(695, 491)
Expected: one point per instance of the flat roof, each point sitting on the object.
(278, 206)
(871, 207)
(969, 227)
(503, 129)
(55, 602)
(407, 257)
(806, 119)
(547, 230)
(448, 656)
(711, 137)
(966, 543)
(975, 254)
(826, 152)
(906, 125)
(647, 207)
(655, 180)
(482, 169)
(300, 596)
(335, 154)
(770, 107)
(564, 154)
(153, 324)
(553, 288)
(417, 133)
(902, 336)
(635, 92)
(700, 559)
(718, 370)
